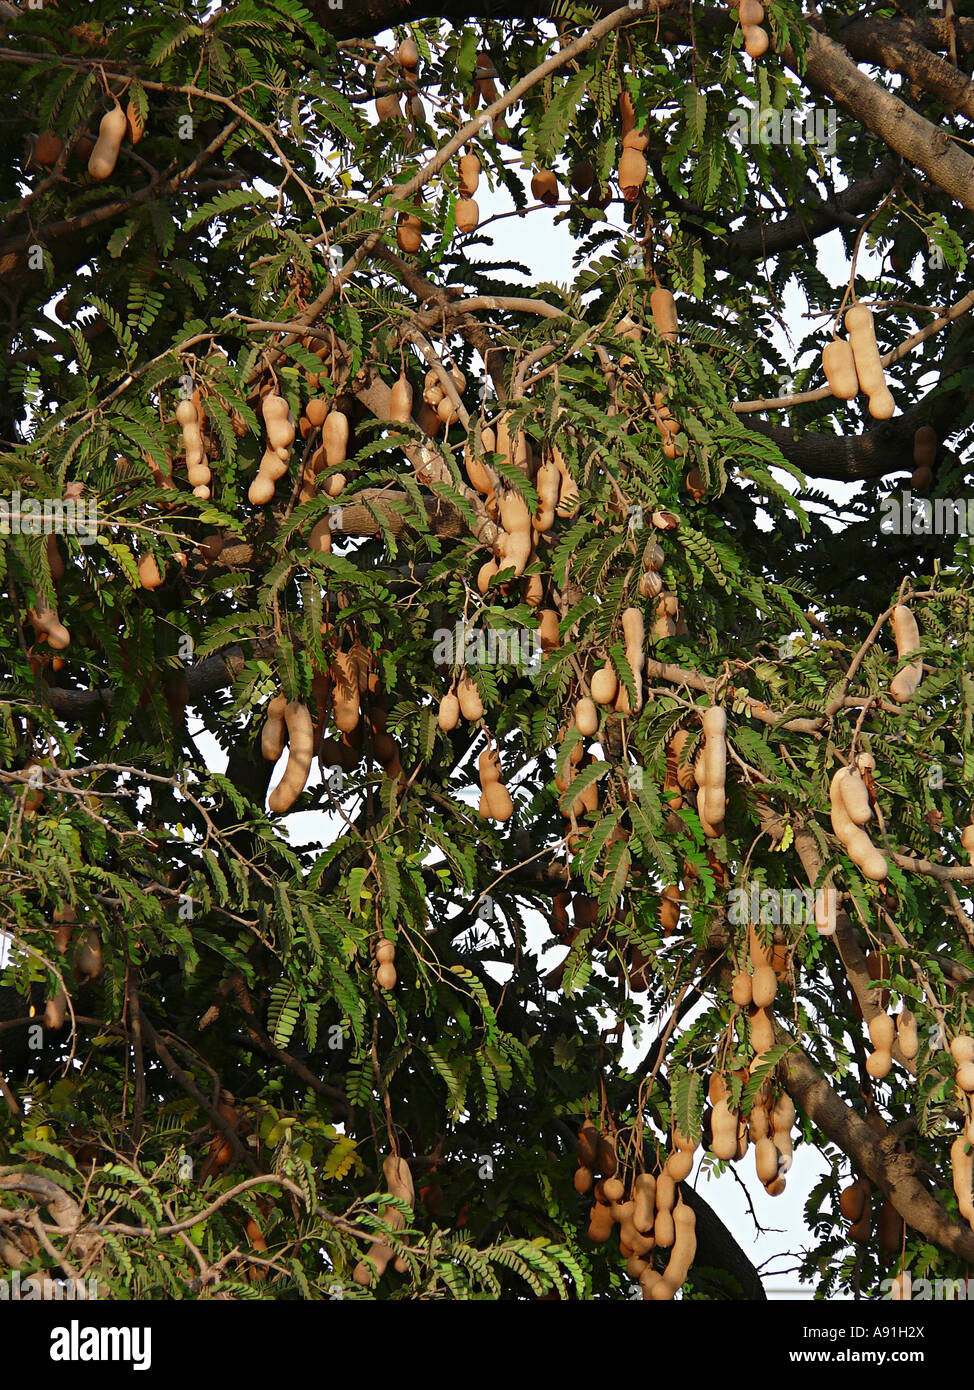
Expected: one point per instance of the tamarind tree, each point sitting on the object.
(276, 418)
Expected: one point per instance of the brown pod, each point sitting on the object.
(149, 574)
(663, 308)
(409, 234)
(633, 170)
(401, 401)
(544, 187)
(469, 171)
(47, 149)
(467, 215)
(471, 705)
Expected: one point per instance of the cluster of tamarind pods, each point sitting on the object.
(88, 962)
(653, 1216)
(399, 1183)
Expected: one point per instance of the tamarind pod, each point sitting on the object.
(663, 1228)
(568, 497)
(775, 1189)
(346, 692)
(964, 1077)
(862, 336)
(45, 620)
(650, 585)
(882, 1032)
(906, 1033)
(907, 636)
(548, 633)
(583, 1181)
(47, 149)
(386, 976)
(758, 1124)
(516, 521)
(613, 1189)
(148, 571)
(334, 437)
(401, 401)
(300, 728)
(468, 170)
(741, 990)
(681, 1256)
(881, 405)
(724, 1131)
(385, 950)
(55, 1009)
(683, 770)
(839, 366)
(861, 1230)
(485, 574)
(497, 802)
(756, 44)
(764, 986)
(854, 794)
(588, 1144)
(679, 1165)
(967, 839)
(604, 685)
(636, 1266)
(586, 717)
(466, 215)
(762, 1030)
(544, 187)
(272, 738)
(399, 1178)
(600, 1224)
(477, 470)
(924, 446)
(548, 485)
(856, 842)
(111, 132)
(471, 705)
(825, 910)
(633, 171)
(489, 767)
(750, 13)
(765, 1160)
(449, 713)
(715, 760)
(89, 963)
(669, 909)
(606, 1162)
(962, 1049)
(644, 1203)
(962, 1168)
(653, 556)
(878, 1064)
(662, 306)
(409, 233)
(852, 1200)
